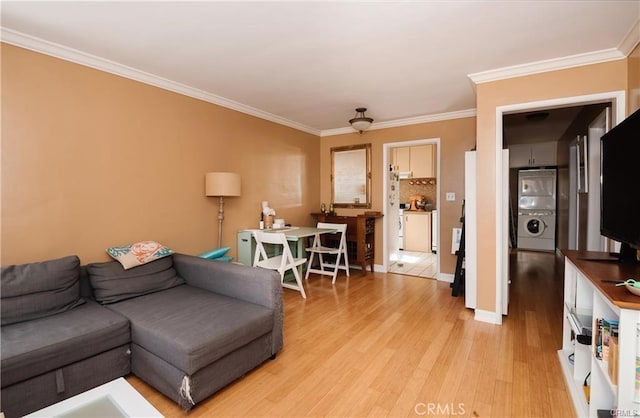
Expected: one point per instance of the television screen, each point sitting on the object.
(620, 192)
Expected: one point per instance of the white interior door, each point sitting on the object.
(470, 226)
(505, 232)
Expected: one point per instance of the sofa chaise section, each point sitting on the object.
(216, 322)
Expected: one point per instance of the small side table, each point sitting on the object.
(361, 236)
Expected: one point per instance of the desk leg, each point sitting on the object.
(301, 253)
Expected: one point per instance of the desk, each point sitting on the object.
(295, 235)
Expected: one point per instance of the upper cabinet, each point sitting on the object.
(401, 159)
(423, 161)
(533, 155)
(418, 160)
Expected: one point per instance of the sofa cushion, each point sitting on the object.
(112, 283)
(190, 328)
(137, 254)
(36, 290)
(41, 345)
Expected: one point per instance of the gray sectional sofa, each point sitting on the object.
(187, 326)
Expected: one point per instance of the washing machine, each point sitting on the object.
(537, 230)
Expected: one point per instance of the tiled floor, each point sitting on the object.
(415, 264)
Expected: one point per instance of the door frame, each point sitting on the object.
(386, 151)
(618, 104)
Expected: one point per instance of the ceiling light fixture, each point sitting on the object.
(360, 122)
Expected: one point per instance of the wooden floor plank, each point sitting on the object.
(388, 345)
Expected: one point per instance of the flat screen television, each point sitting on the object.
(620, 188)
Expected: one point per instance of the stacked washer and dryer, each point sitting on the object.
(537, 209)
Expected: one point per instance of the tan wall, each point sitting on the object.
(91, 160)
(590, 79)
(634, 80)
(456, 137)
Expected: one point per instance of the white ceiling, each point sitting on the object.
(310, 64)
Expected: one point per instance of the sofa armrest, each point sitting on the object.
(251, 284)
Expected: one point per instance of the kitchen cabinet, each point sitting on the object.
(417, 231)
(419, 160)
(401, 158)
(533, 155)
(423, 161)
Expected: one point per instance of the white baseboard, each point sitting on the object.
(445, 277)
(488, 316)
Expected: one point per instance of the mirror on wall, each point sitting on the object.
(351, 176)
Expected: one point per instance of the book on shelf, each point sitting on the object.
(597, 338)
(606, 345)
(613, 357)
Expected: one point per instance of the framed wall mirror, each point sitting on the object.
(351, 176)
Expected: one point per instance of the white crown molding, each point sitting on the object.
(631, 39)
(69, 54)
(405, 122)
(536, 67)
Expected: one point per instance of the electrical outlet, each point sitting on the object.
(451, 196)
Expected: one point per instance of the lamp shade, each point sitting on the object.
(222, 184)
(360, 122)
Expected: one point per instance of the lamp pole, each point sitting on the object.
(220, 218)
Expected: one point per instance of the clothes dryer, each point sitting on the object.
(537, 209)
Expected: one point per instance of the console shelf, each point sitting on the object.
(589, 295)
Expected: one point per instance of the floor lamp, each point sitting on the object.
(221, 185)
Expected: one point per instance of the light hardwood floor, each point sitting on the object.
(391, 345)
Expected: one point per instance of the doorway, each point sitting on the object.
(411, 200)
(563, 141)
(618, 106)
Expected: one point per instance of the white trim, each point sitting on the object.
(445, 277)
(619, 104)
(470, 229)
(386, 147)
(631, 39)
(618, 97)
(488, 316)
(404, 122)
(69, 54)
(79, 57)
(543, 66)
(499, 224)
(385, 204)
(505, 232)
